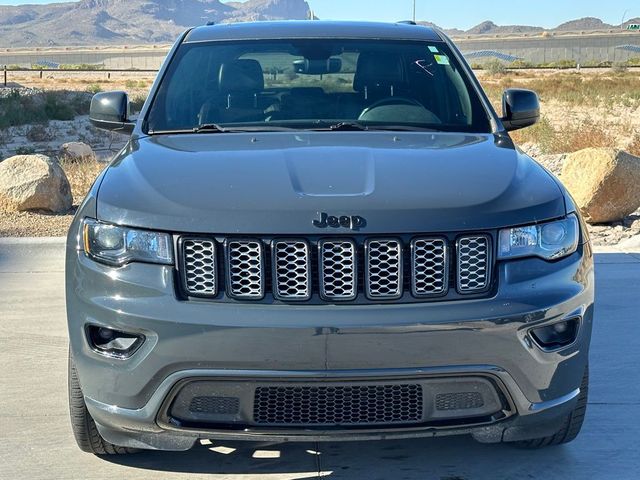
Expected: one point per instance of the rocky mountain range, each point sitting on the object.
(134, 22)
(95, 22)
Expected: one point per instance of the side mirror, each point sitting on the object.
(520, 108)
(110, 111)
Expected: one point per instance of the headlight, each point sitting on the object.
(116, 245)
(550, 241)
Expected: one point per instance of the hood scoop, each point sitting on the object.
(322, 173)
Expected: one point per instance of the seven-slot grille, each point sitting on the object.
(336, 269)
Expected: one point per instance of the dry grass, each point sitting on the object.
(81, 175)
(565, 138)
(634, 146)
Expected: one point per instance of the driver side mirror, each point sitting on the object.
(110, 111)
(520, 108)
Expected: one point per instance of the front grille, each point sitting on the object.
(200, 261)
(384, 269)
(430, 267)
(291, 264)
(336, 270)
(245, 274)
(474, 259)
(338, 405)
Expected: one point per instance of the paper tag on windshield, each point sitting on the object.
(441, 59)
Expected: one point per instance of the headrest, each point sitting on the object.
(377, 69)
(241, 76)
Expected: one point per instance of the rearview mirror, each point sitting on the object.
(110, 111)
(520, 108)
(317, 67)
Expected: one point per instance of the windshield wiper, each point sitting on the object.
(347, 127)
(210, 128)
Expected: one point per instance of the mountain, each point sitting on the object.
(136, 22)
(91, 22)
(586, 23)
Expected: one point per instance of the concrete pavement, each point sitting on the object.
(36, 441)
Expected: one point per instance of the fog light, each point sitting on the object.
(557, 335)
(113, 343)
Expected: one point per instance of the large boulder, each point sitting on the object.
(76, 151)
(34, 182)
(604, 182)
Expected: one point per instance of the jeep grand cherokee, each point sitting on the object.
(323, 231)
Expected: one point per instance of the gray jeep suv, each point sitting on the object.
(323, 231)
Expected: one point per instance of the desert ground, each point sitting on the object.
(580, 109)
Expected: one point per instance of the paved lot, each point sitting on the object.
(36, 442)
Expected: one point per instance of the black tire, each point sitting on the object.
(84, 427)
(571, 425)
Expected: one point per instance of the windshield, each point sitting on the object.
(315, 84)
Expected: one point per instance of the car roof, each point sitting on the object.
(311, 29)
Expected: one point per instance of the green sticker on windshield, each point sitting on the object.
(441, 59)
(433, 49)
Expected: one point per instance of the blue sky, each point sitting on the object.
(465, 13)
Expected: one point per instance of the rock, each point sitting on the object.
(34, 182)
(604, 182)
(76, 151)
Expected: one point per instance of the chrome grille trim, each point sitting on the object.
(199, 263)
(245, 269)
(430, 267)
(291, 264)
(474, 263)
(383, 274)
(338, 269)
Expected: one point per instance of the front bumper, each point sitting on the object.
(289, 343)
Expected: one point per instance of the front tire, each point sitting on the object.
(571, 425)
(84, 427)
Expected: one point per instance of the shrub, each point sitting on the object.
(39, 133)
(495, 67)
(56, 108)
(94, 88)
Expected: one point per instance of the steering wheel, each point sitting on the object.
(391, 101)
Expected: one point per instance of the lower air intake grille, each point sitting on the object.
(459, 401)
(338, 405)
(215, 405)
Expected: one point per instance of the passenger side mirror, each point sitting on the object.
(520, 108)
(110, 111)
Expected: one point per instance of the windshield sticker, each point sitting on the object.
(433, 49)
(441, 59)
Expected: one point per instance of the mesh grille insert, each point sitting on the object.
(200, 267)
(430, 267)
(338, 275)
(338, 405)
(473, 263)
(245, 269)
(459, 401)
(291, 263)
(215, 405)
(384, 269)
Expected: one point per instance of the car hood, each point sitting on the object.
(278, 183)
